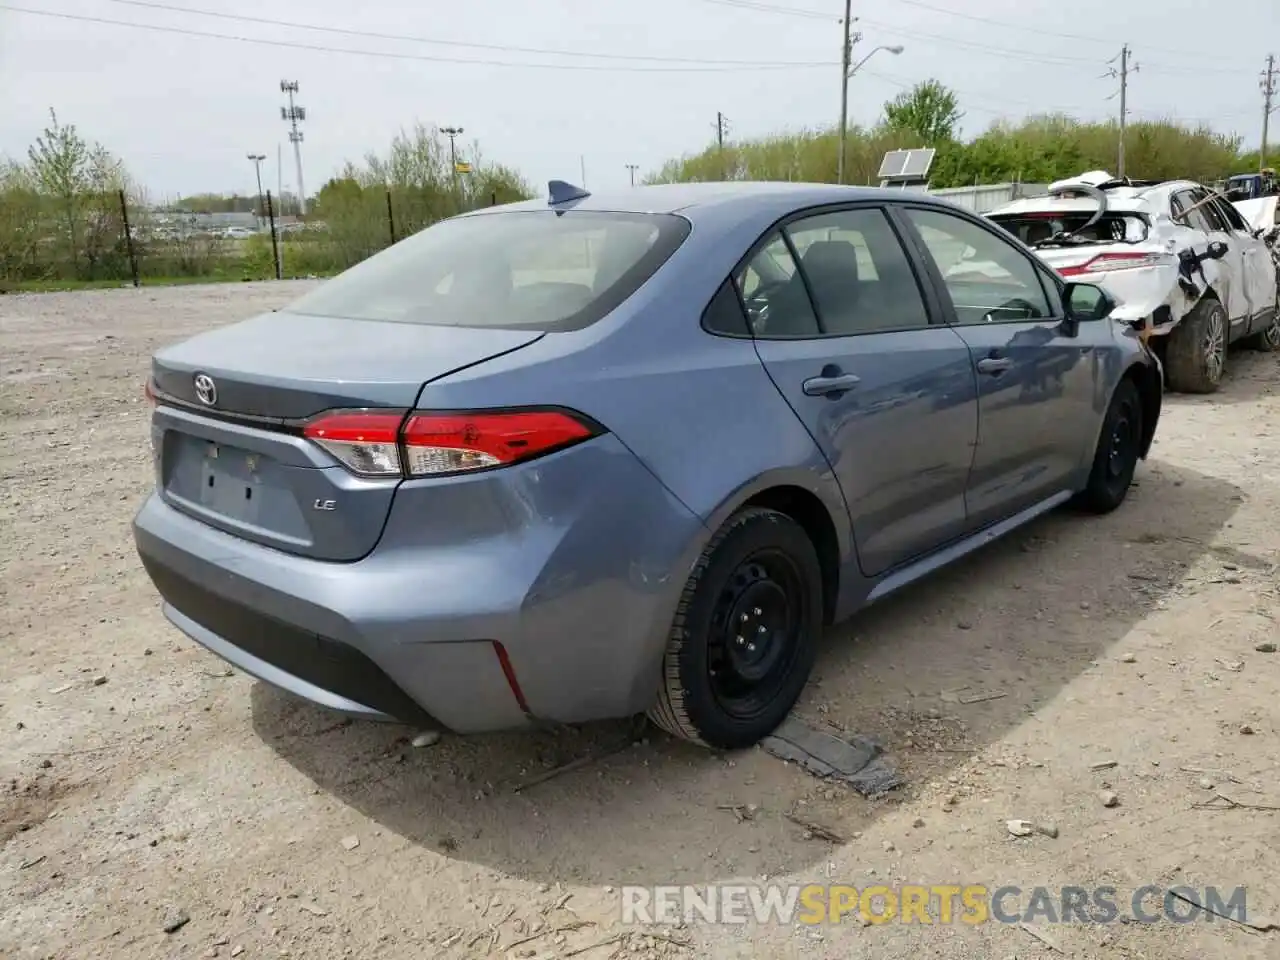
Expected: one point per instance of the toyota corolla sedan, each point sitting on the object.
(592, 456)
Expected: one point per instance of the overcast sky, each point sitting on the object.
(183, 110)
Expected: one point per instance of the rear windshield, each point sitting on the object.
(535, 270)
(1033, 228)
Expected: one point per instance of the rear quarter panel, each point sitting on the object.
(699, 410)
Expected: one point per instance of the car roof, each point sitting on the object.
(694, 199)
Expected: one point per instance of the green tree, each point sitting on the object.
(929, 110)
(82, 178)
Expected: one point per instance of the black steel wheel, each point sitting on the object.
(1119, 449)
(743, 641)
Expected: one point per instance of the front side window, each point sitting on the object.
(528, 270)
(861, 279)
(988, 278)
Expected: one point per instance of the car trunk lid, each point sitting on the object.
(227, 433)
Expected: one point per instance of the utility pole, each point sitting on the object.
(293, 114)
(1126, 68)
(453, 133)
(722, 130)
(846, 55)
(631, 169)
(256, 159)
(1268, 98)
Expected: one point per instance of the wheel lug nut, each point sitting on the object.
(743, 618)
(761, 630)
(751, 648)
(757, 611)
(740, 640)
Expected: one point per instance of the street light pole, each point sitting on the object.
(257, 159)
(846, 74)
(453, 133)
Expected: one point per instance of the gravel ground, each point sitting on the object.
(154, 804)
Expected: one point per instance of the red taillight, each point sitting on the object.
(366, 441)
(449, 442)
(370, 443)
(1110, 262)
(149, 392)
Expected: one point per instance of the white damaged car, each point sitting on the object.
(1196, 272)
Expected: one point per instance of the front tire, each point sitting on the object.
(1196, 350)
(1116, 456)
(745, 633)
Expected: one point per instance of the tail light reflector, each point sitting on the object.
(149, 392)
(425, 444)
(1110, 262)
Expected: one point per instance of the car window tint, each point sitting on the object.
(529, 270)
(1211, 212)
(774, 293)
(1053, 292)
(724, 313)
(989, 279)
(1191, 216)
(860, 276)
(1231, 215)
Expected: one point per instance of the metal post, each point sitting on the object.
(257, 159)
(128, 238)
(391, 217)
(846, 50)
(275, 249)
(1268, 96)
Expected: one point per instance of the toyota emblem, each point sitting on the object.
(206, 389)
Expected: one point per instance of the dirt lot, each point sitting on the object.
(141, 783)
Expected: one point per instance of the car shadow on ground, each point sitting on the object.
(1021, 620)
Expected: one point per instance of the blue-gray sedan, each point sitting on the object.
(594, 455)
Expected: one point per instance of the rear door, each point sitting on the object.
(1259, 268)
(888, 395)
(1036, 386)
(1198, 213)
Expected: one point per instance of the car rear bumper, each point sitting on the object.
(561, 616)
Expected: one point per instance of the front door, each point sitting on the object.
(889, 397)
(1037, 416)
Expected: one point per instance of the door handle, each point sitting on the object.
(830, 384)
(994, 365)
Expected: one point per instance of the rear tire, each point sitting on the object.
(745, 632)
(1268, 340)
(1116, 456)
(1196, 350)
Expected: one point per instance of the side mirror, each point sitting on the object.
(1217, 250)
(1086, 302)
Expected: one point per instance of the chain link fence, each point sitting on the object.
(104, 239)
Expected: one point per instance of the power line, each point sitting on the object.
(915, 35)
(436, 41)
(772, 8)
(991, 21)
(388, 55)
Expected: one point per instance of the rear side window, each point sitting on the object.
(859, 274)
(539, 270)
(773, 291)
(1231, 215)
